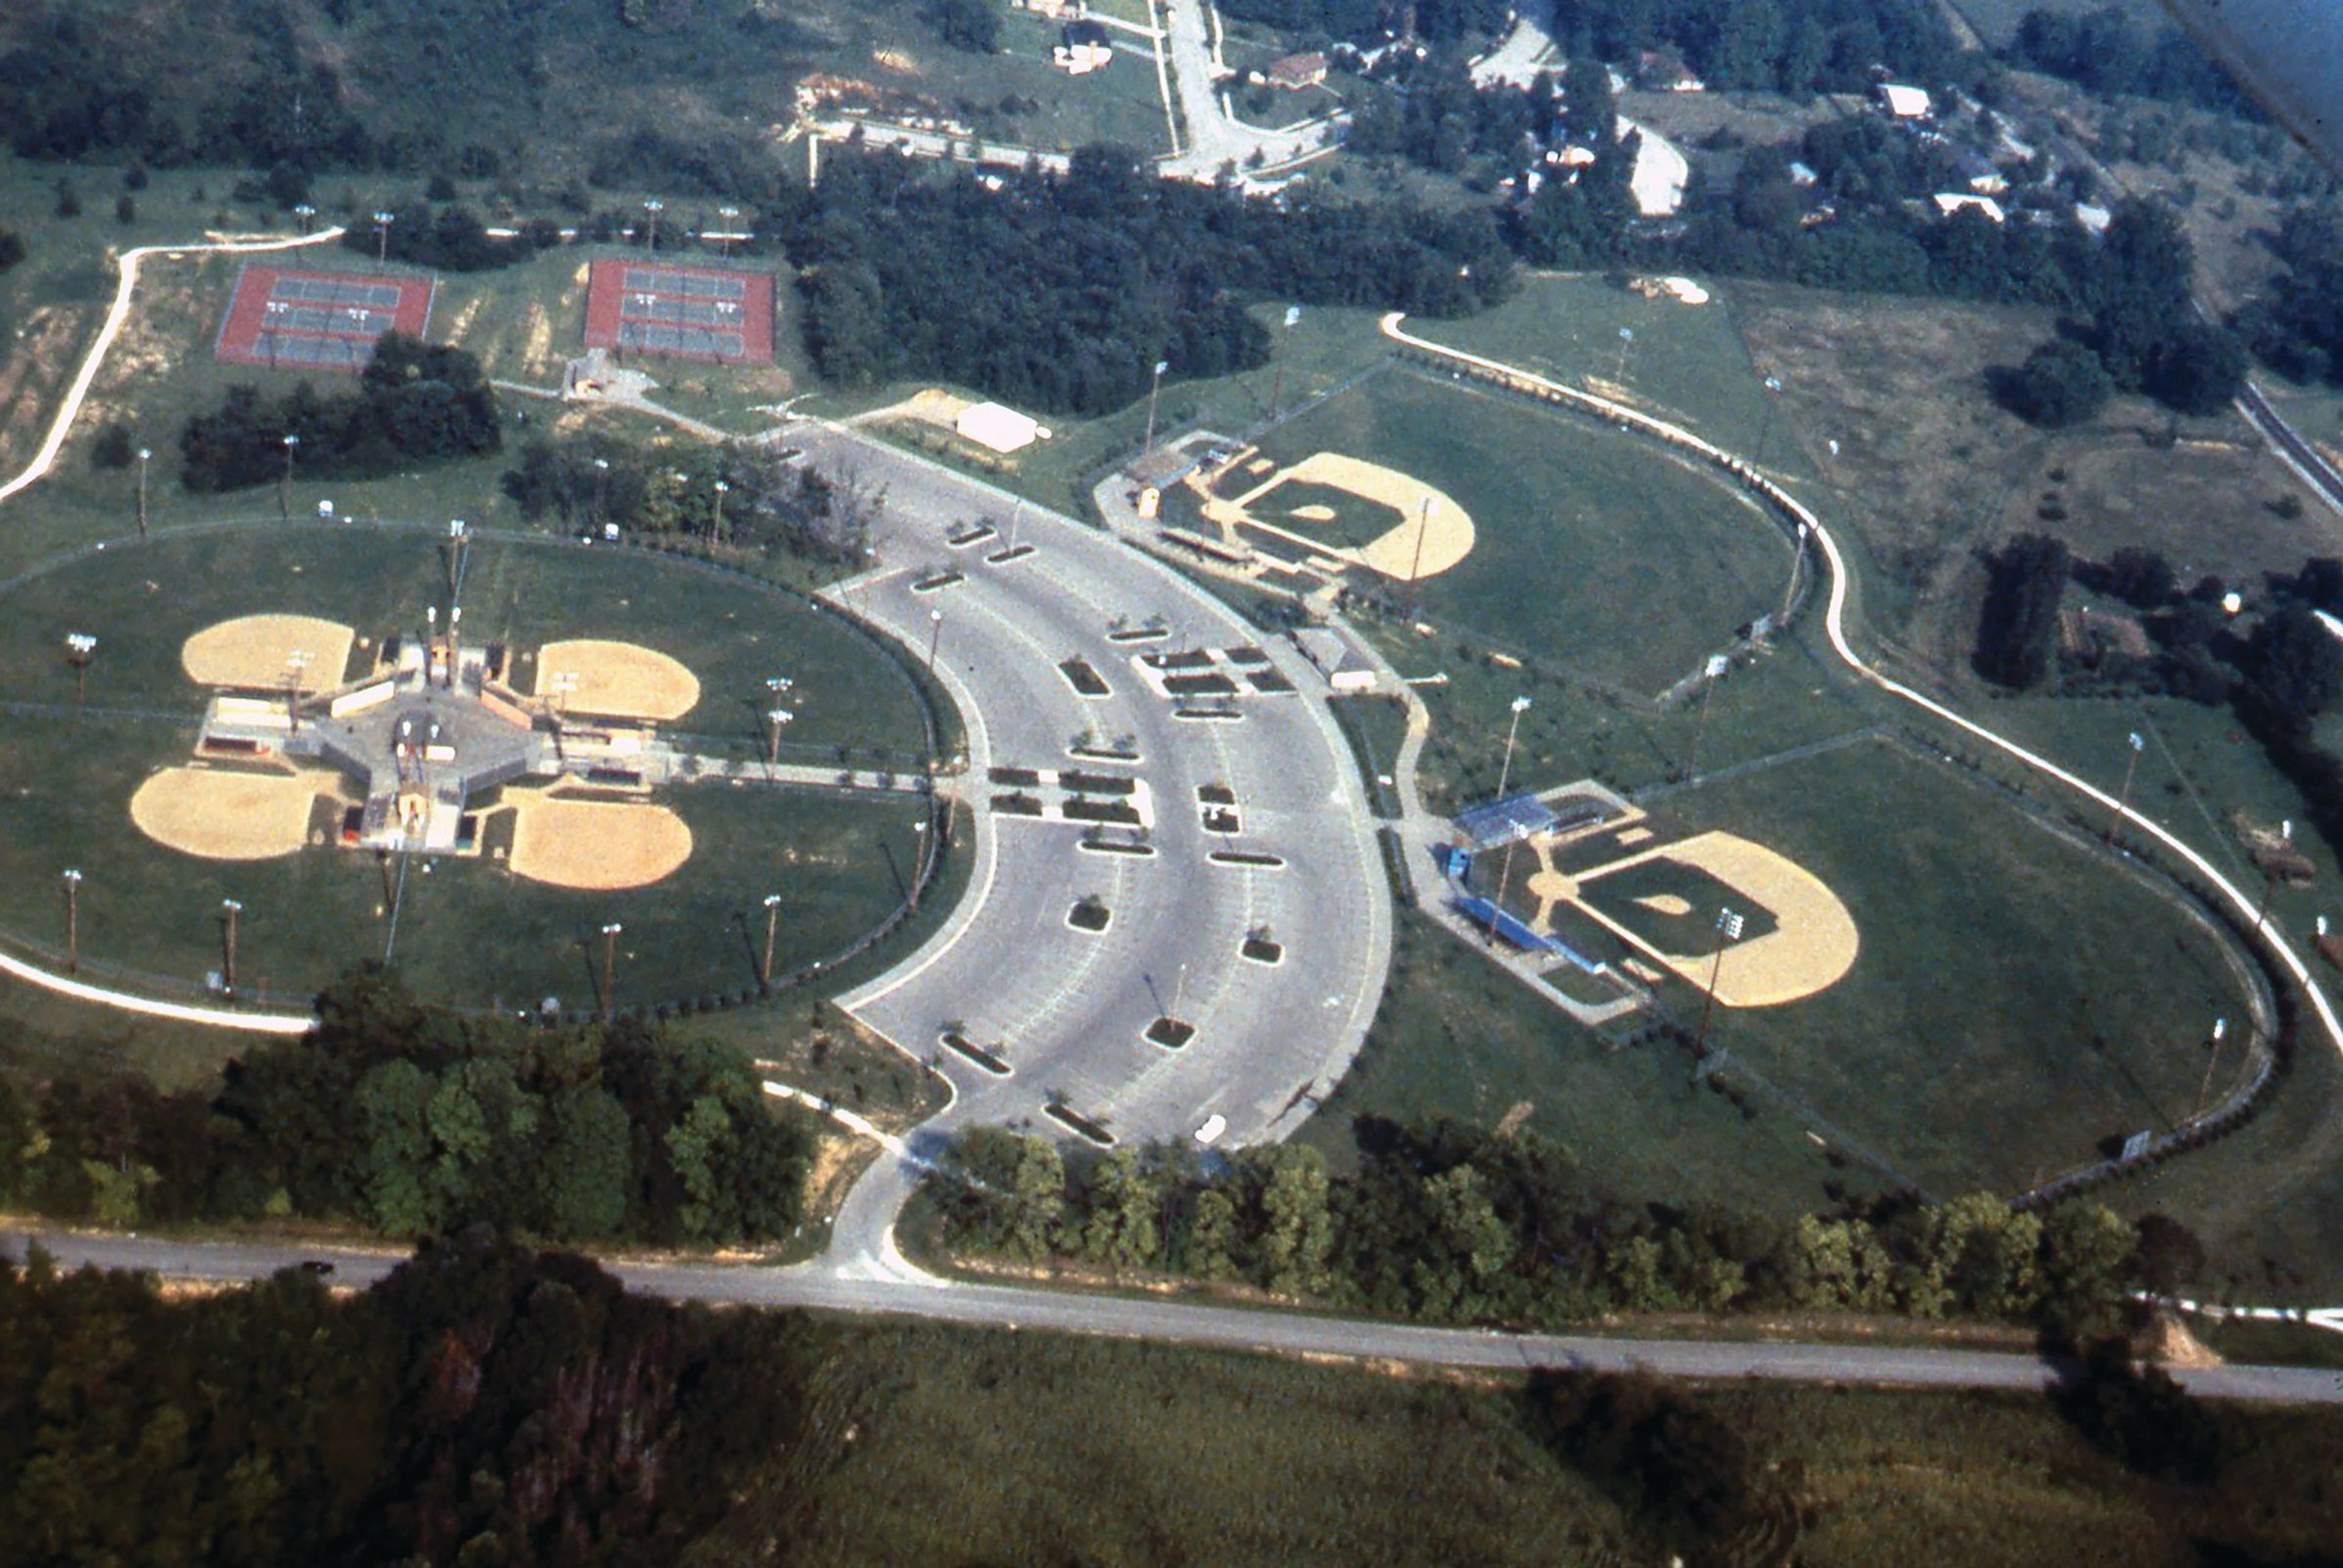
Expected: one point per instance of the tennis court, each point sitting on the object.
(318, 320)
(680, 312)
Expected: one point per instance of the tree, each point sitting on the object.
(1212, 1236)
(2089, 1256)
(2018, 630)
(2198, 369)
(1036, 1198)
(2060, 383)
(1299, 1235)
(973, 25)
(1121, 1229)
(114, 447)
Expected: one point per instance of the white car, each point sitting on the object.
(1210, 1132)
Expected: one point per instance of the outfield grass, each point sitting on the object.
(2008, 977)
(1686, 364)
(1592, 549)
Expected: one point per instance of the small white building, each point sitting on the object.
(1335, 660)
(1905, 103)
(1002, 428)
(1951, 202)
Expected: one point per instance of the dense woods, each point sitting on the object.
(1063, 293)
(398, 1118)
(2108, 51)
(415, 402)
(482, 1405)
(1451, 1224)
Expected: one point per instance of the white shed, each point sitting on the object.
(1003, 429)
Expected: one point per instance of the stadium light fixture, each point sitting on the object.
(772, 930)
(1627, 342)
(1772, 384)
(382, 222)
(146, 455)
(1729, 925)
(1154, 388)
(2134, 746)
(654, 206)
(81, 646)
(71, 881)
(609, 969)
(229, 909)
(1521, 705)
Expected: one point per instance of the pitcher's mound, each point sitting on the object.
(224, 816)
(618, 679)
(266, 653)
(599, 845)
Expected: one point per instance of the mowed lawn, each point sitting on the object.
(2018, 997)
(1592, 549)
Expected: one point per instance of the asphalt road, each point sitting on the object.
(822, 1288)
(1215, 138)
(1066, 1010)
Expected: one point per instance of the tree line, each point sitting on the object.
(594, 479)
(483, 1404)
(398, 1118)
(1448, 1224)
(2108, 52)
(414, 402)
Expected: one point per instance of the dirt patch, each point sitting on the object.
(266, 653)
(1434, 536)
(928, 406)
(617, 680)
(598, 845)
(218, 816)
(2170, 1343)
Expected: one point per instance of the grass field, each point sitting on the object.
(1036, 1447)
(468, 932)
(1591, 550)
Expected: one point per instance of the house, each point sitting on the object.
(1084, 48)
(1904, 102)
(1296, 72)
(1003, 429)
(1951, 202)
(2094, 219)
(1660, 71)
(1803, 176)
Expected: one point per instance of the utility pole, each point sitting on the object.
(772, 930)
(1416, 562)
(1728, 926)
(144, 453)
(1154, 389)
(610, 969)
(284, 485)
(72, 883)
(2212, 1058)
(80, 648)
(229, 909)
(1521, 705)
(2123, 796)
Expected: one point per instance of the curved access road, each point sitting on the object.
(45, 459)
(2266, 932)
(1223, 1328)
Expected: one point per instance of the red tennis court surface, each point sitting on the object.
(683, 312)
(318, 320)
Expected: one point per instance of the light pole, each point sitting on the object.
(1626, 341)
(1154, 388)
(1277, 382)
(601, 493)
(775, 718)
(2123, 796)
(724, 245)
(1729, 927)
(72, 883)
(272, 311)
(285, 485)
(1505, 879)
(609, 969)
(920, 863)
(229, 909)
(772, 928)
(2212, 1060)
(382, 222)
(144, 454)
(1415, 561)
(654, 206)
(304, 211)
(1714, 670)
(80, 648)
(1521, 705)
(716, 528)
(935, 635)
(296, 663)
(1772, 384)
